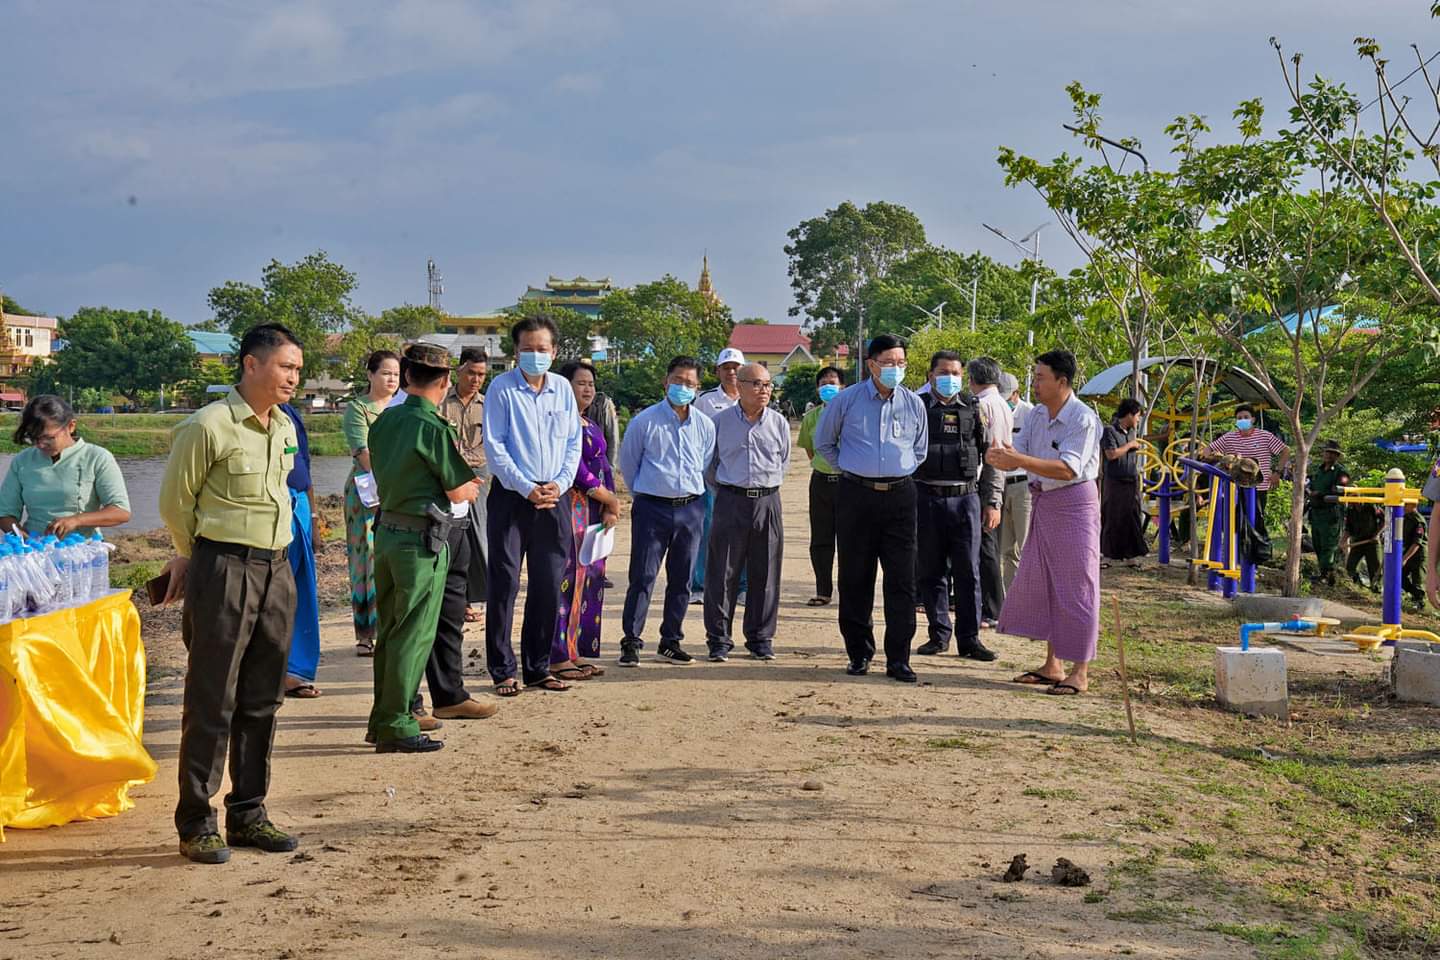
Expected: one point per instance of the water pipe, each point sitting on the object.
(1273, 626)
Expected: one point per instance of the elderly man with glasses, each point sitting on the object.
(752, 453)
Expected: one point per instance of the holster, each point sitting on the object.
(437, 533)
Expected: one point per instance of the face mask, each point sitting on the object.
(1011, 404)
(947, 384)
(679, 395)
(534, 363)
(1244, 423)
(829, 392)
(890, 377)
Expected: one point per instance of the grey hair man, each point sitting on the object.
(1015, 508)
(984, 375)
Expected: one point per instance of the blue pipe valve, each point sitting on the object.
(1273, 626)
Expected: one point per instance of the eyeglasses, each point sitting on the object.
(894, 363)
(758, 384)
(49, 437)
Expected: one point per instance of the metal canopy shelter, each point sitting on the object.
(1239, 382)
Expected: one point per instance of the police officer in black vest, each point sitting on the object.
(954, 484)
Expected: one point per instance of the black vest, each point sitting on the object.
(956, 435)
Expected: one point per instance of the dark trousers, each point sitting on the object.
(948, 532)
(824, 508)
(445, 670)
(747, 537)
(1412, 577)
(476, 535)
(659, 532)
(518, 533)
(992, 583)
(877, 527)
(1369, 554)
(236, 630)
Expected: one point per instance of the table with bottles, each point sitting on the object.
(72, 685)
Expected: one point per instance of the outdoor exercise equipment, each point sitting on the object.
(1274, 626)
(1229, 568)
(1393, 498)
(1167, 481)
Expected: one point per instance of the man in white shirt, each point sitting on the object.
(984, 374)
(1015, 509)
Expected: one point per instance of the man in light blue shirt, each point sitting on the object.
(532, 445)
(663, 458)
(877, 433)
(752, 453)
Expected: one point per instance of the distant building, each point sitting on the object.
(29, 339)
(777, 345)
(483, 330)
(581, 295)
(706, 287)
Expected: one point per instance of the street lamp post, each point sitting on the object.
(1033, 238)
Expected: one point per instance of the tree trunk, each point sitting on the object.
(1298, 465)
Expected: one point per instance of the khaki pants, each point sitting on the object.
(1014, 527)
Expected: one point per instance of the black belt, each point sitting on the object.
(670, 501)
(408, 522)
(244, 552)
(881, 484)
(828, 477)
(1020, 479)
(749, 493)
(949, 489)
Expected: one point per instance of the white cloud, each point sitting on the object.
(584, 84)
(456, 115)
(303, 30)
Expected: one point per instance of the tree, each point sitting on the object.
(576, 328)
(132, 352)
(410, 322)
(310, 296)
(7, 305)
(833, 258)
(648, 325)
(753, 322)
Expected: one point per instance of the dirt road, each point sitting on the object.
(740, 810)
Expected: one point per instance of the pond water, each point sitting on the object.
(142, 480)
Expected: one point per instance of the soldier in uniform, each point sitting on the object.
(419, 472)
(1327, 514)
(954, 485)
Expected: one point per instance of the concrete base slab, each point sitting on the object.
(1252, 681)
(1415, 672)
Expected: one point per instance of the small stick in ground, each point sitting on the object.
(1124, 677)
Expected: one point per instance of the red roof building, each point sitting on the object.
(777, 345)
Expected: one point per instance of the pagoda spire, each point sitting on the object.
(706, 288)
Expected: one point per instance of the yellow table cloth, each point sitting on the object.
(72, 703)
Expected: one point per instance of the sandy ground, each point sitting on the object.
(740, 810)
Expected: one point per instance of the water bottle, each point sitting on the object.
(100, 565)
(39, 578)
(77, 567)
(5, 611)
(64, 587)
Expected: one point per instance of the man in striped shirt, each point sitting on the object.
(1248, 440)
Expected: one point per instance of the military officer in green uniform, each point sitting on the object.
(419, 473)
(1327, 514)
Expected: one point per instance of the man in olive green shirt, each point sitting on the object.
(417, 465)
(824, 489)
(226, 505)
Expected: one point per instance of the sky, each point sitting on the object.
(154, 150)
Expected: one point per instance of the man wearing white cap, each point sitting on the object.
(712, 403)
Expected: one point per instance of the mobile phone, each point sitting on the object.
(156, 588)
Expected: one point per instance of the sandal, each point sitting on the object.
(594, 669)
(507, 688)
(576, 672)
(817, 601)
(303, 691)
(364, 648)
(1033, 679)
(553, 684)
(1064, 690)
(474, 616)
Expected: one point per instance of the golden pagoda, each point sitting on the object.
(706, 288)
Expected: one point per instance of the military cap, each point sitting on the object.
(1332, 445)
(428, 355)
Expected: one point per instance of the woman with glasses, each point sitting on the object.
(383, 372)
(61, 484)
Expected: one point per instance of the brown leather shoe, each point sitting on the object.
(471, 709)
(429, 723)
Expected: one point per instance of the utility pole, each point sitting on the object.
(435, 284)
(1033, 237)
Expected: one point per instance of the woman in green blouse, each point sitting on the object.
(384, 372)
(61, 484)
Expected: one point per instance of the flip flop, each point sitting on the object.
(365, 648)
(594, 669)
(1064, 690)
(474, 616)
(817, 601)
(304, 691)
(507, 688)
(551, 683)
(1033, 679)
(571, 673)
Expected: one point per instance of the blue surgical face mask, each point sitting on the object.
(1244, 423)
(891, 377)
(680, 396)
(534, 363)
(828, 392)
(947, 385)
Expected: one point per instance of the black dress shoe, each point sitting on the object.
(903, 673)
(932, 648)
(858, 668)
(416, 744)
(975, 650)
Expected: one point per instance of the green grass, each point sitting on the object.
(1197, 851)
(949, 743)
(1042, 793)
(148, 434)
(133, 576)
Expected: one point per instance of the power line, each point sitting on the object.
(1407, 76)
